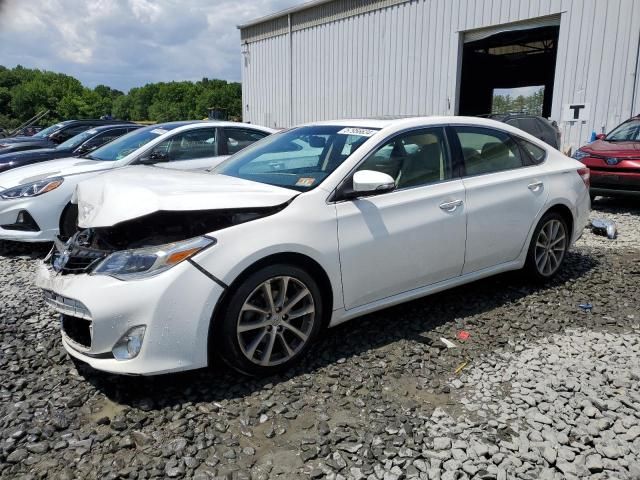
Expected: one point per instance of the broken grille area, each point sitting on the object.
(77, 329)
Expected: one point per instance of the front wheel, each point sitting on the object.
(270, 320)
(548, 247)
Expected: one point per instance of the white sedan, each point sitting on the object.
(35, 200)
(252, 260)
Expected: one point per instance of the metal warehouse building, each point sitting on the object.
(330, 59)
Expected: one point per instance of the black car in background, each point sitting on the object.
(534, 125)
(81, 144)
(52, 136)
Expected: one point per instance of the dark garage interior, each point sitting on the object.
(509, 59)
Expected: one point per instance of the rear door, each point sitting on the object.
(504, 194)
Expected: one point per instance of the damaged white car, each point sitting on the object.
(303, 230)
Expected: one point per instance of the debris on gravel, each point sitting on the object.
(541, 388)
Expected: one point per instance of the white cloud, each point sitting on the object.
(127, 43)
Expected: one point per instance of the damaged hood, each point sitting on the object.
(62, 167)
(133, 192)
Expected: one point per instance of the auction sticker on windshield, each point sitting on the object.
(159, 131)
(305, 182)
(363, 132)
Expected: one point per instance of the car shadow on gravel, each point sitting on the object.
(25, 250)
(617, 205)
(412, 321)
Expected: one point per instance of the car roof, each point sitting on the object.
(511, 114)
(409, 122)
(214, 123)
(356, 122)
(96, 121)
(101, 128)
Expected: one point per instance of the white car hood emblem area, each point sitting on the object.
(133, 192)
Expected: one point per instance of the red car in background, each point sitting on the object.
(614, 160)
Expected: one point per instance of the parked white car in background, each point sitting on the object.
(253, 259)
(35, 200)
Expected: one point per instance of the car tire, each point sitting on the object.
(259, 337)
(548, 247)
(69, 221)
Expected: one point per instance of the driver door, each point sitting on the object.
(411, 237)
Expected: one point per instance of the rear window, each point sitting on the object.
(535, 153)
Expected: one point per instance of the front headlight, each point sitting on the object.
(32, 189)
(149, 261)
(580, 154)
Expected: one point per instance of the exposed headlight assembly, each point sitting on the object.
(32, 189)
(580, 154)
(149, 261)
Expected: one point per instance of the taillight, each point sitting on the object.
(585, 176)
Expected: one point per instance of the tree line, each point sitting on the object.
(531, 104)
(24, 92)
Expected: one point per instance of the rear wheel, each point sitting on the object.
(69, 220)
(548, 247)
(270, 320)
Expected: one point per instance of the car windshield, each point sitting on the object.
(300, 158)
(48, 131)
(73, 142)
(627, 132)
(128, 143)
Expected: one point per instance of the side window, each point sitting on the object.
(416, 158)
(104, 137)
(197, 143)
(65, 135)
(238, 138)
(536, 154)
(486, 150)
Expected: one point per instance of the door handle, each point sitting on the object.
(535, 186)
(450, 206)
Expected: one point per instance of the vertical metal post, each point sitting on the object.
(290, 73)
(634, 92)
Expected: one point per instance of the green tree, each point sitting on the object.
(25, 92)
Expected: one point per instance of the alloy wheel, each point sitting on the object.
(275, 321)
(550, 247)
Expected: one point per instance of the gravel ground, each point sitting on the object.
(540, 389)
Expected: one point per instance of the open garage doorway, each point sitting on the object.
(509, 68)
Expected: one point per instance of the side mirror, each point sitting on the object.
(154, 157)
(601, 136)
(371, 182)
(82, 149)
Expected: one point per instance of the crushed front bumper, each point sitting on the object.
(175, 306)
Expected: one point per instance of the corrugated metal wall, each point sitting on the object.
(265, 82)
(402, 58)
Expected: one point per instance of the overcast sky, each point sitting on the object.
(127, 43)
